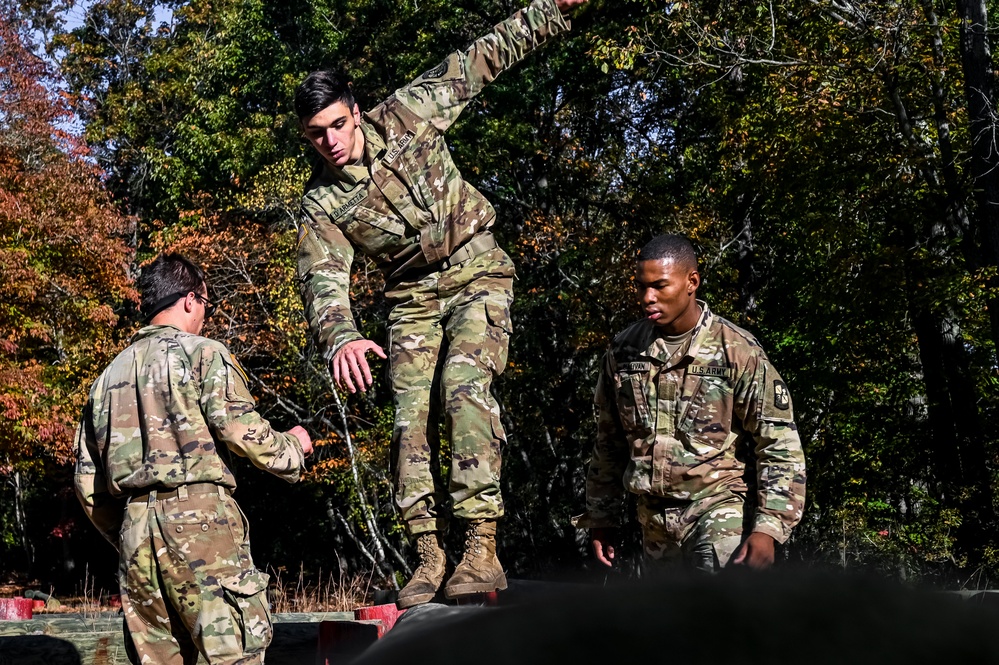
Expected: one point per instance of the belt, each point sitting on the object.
(479, 244)
(159, 492)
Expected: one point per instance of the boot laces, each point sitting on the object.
(426, 547)
(472, 545)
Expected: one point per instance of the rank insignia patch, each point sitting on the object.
(782, 398)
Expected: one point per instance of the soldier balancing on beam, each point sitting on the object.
(386, 186)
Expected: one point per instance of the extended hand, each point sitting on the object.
(603, 541)
(566, 5)
(303, 438)
(350, 362)
(756, 552)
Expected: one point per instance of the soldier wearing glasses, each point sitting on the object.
(150, 477)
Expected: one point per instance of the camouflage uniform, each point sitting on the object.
(409, 209)
(708, 443)
(150, 477)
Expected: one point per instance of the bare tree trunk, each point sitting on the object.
(980, 93)
(362, 496)
(20, 520)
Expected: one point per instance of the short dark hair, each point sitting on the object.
(167, 279)
(321, 89)
(670, 247)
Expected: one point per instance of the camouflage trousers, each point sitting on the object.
(702, 535)
(188, 584)
(449, 335)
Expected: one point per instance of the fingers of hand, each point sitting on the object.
(344, 371)
(359, 370)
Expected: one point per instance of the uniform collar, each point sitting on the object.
(701, 330)
(149, 331)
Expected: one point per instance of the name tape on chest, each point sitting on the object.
(349, 205)
(406, 139)
(708, 370)
(631, 368)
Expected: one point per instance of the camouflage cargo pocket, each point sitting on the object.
(246, 596)
(496, 342)
(632, 402)
(198, 529)
(708, 419)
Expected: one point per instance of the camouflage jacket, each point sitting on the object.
(408, 206)
(155, 417)
(718, 419)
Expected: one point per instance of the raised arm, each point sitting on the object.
(442, 93)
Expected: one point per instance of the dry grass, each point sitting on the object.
(341, 594)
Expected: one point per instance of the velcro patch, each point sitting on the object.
(776, 401)
(631, 368)
(239, 368)
(782, 398)
(349, 205)
(436, 72)
(406, 139)
(709, 370)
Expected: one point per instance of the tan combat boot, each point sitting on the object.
(479, 571)
(427, 577)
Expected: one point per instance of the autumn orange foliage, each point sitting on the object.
(64, 257)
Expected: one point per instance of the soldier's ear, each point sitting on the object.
(693, 281)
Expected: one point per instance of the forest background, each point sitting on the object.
(835, 162)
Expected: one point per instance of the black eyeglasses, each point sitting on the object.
(210, 307)
(168, 301)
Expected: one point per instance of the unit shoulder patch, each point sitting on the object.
(776, 401)
(782, 398)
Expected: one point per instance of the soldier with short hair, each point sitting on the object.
(387, 186)
(694, 420)
(150, 477)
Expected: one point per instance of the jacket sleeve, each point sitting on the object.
(605, 493)
(780, 459)
(441, 93)
(324, 283)
(229, 411)
(105, 511)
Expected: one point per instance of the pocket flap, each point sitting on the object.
(246, 583)
(499, 316)
(382, 221)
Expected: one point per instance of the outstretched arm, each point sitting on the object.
(229, 411)
(442, 92)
